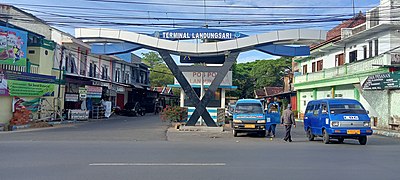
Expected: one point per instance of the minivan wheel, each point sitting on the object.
(234, 133)
(310, 135)
(325, 137)
(340, 140)
(362, 140)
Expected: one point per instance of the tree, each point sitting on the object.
(152, 59)
(270, 72)
(160, 75)
(258, 74)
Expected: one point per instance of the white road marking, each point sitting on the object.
(157, 164)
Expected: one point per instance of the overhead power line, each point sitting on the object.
(224, 6)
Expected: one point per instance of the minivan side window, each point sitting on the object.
(324, 109)
(316, 110)
(310, 108)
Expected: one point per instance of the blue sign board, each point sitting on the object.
(198, 33)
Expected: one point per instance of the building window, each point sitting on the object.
(94, 70)
(353, 56)
(313, 67)
(31, 51)
(370, 49)
(91, 69)
(104, 73)
(376, 47)
(305, 69)
(127, 76)
(117, 75)
(46, 52)
(365, 52)
(320, 65)
(339, 59)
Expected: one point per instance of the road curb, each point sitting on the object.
(386, 133)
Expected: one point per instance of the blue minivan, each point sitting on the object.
(337, 119)
(248, 116)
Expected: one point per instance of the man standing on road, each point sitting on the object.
(287, 119)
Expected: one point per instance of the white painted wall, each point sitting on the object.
(323, 93)
(305, 97)
(346, 91)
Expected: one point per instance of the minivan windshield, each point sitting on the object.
(347, 109)
(248, 108)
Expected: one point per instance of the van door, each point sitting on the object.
(323, 117)
(307, 114)
(315, 121)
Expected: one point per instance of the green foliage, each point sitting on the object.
(258, 74)
(152, 59)
(160, 75)
(285, 103)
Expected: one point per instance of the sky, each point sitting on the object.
(245, 16)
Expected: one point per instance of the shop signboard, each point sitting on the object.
(194, 78)
(71, 97)
(120, 89)
(13, 45)
(99, 83)
(382, 81)
(94, 91)
(82, 92)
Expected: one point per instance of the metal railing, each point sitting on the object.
(34, 69)
(347, 69)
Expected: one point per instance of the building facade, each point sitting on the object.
(50, 72)
(355, 51)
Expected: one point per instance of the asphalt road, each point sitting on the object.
(142, 148)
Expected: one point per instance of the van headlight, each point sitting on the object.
(261, 121)
(237, 121)
(367, 124)
(334, 123)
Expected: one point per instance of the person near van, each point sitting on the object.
(287, 119)
(272, 127)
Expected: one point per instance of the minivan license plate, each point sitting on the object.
(353, 131)
(249, 126)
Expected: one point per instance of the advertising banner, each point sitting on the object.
(13, 45)
(24, 88)
(22, 103)
(3, 84)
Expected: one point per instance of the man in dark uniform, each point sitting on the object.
(287, 119)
